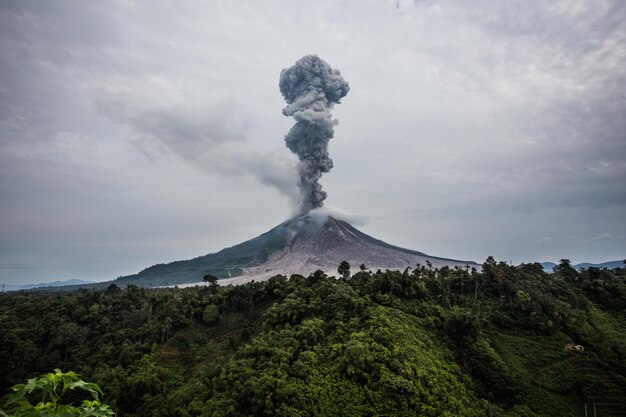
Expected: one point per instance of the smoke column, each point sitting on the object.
(311, 88)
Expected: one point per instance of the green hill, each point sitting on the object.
(427, 342)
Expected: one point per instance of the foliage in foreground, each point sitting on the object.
(430, 342)
(53, 392)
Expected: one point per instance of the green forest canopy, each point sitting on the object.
(432, 342)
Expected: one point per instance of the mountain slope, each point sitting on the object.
(300, 245)
(323, 243)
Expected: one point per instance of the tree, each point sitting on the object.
(565, 269)
(210, 314)
(344, 269)
(53, 388)
(210, 279)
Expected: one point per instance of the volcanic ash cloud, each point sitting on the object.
(311, 88)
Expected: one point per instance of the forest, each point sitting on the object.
(500, 341)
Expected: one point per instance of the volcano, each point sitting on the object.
(300, 245)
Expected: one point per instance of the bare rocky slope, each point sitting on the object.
(298, 246)
(322, 243)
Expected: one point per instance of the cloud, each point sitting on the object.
(605, 236)
(18, 267)
(213, 138)
(352, 218)
(517, 104)
(471, 129)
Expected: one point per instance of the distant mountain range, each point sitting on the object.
(547, 266)
(13, 287)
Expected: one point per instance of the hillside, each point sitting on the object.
(297, 246)
(431, 341)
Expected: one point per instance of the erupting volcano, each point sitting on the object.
(310, 240)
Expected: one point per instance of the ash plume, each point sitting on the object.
(311, 88)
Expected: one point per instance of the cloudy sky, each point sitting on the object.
(133, 133)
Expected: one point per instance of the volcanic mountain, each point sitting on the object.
(298, 246)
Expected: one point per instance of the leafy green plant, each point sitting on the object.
(51, 389)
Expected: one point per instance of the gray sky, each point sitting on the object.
(133, 133)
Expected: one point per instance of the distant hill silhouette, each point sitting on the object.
(547, 266)
(14, 287)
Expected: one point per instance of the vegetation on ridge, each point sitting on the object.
(433, 342)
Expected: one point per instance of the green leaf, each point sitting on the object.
(94, 389)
